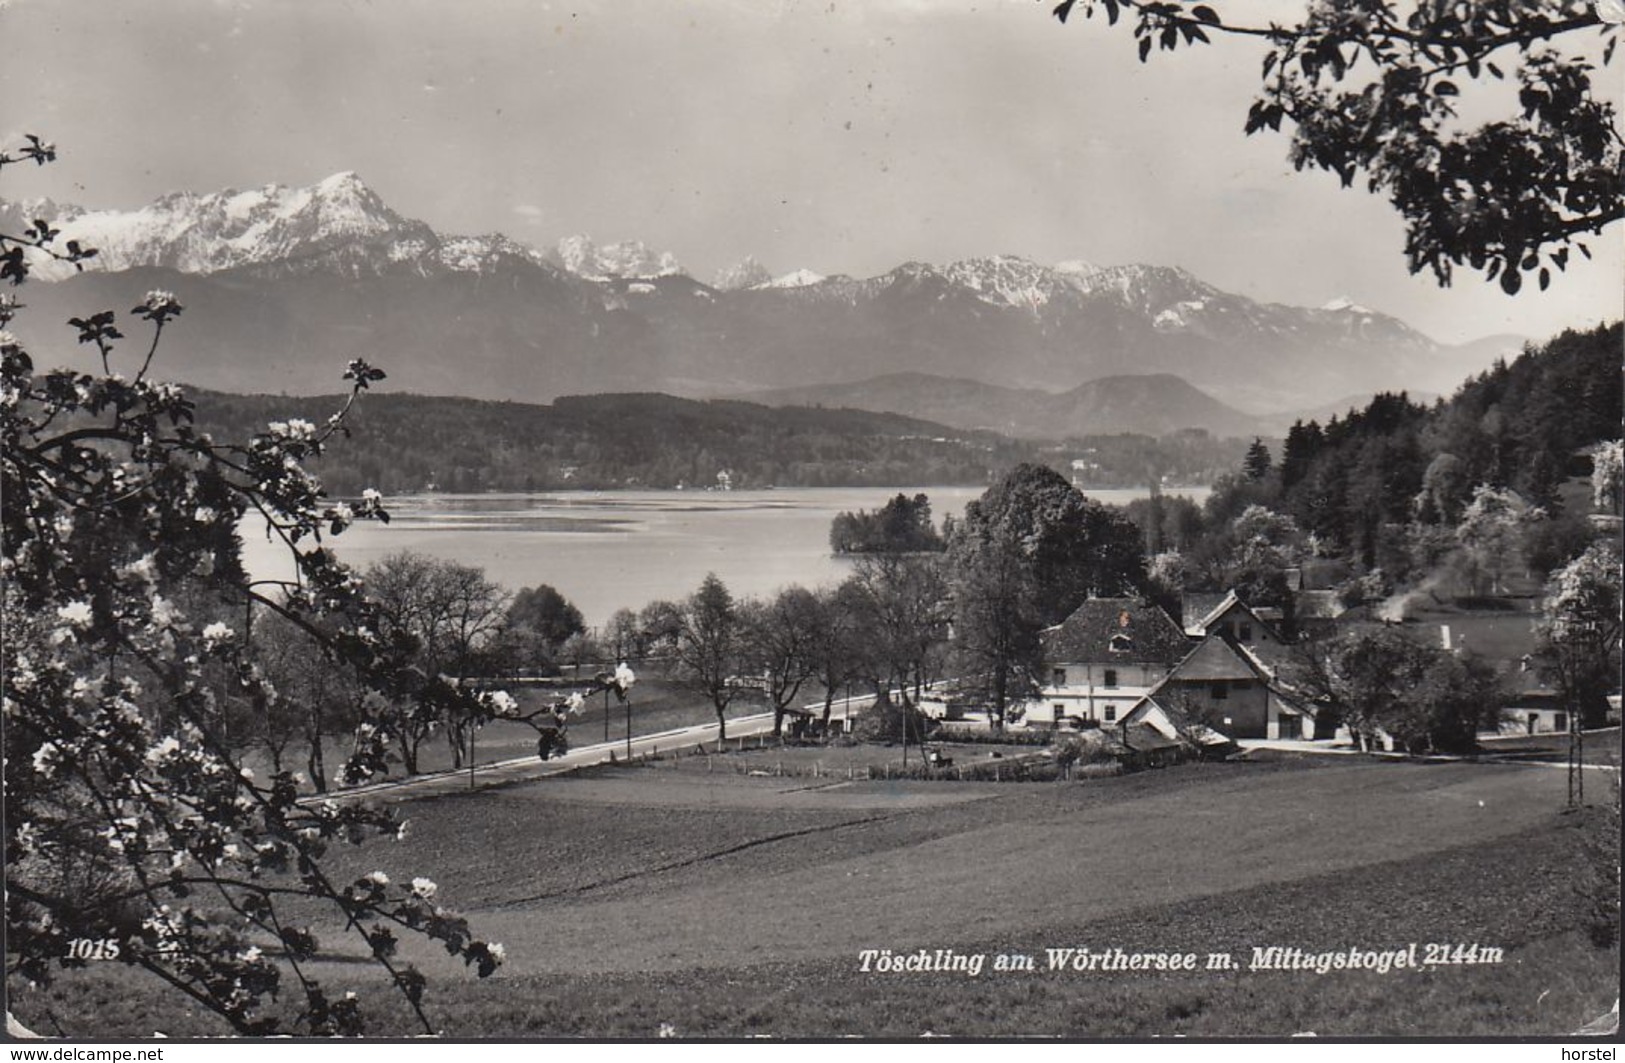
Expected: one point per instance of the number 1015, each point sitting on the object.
(93, 949)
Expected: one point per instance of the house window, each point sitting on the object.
(1560, 721)
(1059, 710)
(1110, 678)
(1120, 643)
(1246, 632)
(1219, 691)
(1111, 713)
(1057, 677)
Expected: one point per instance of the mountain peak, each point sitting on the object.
(1077, 267)
(269, 225)
(343, 181)
(800, 278)
(1344, 303)
(747, 273)
(630, 258)
(1005, 280)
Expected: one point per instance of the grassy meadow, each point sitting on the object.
(727, 905)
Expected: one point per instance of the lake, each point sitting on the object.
(605, 550)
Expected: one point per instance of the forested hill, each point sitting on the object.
(407, 443)
(1517, 425)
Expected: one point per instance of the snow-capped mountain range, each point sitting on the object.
(280, 280)
(338, 221)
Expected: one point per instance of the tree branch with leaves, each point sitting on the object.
(129, 818)
(1381, 90)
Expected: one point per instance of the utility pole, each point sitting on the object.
(1577, 785)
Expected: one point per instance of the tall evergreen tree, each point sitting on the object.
(1256, 465)
(1303, 443)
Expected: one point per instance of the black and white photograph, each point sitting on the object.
(811, 520)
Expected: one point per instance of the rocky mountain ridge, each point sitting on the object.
(280, 280)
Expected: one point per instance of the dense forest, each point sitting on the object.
(410, 443)
(1517, 425)
(1397, 488)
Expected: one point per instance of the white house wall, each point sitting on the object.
(1086, 695)
(1285, 724)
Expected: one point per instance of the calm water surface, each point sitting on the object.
(608, 549)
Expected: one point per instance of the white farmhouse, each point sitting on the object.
(1102, 660)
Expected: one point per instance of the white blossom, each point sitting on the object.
(424, 888)
(217, 633)
(23, 677)
(501, 702)
(163, 749)
(497, 951)
(294, 429)
(145, 570)
(624, 677)
(164, 612)
(204, 515)
(46, 759)
(378, 878)
(78, 614)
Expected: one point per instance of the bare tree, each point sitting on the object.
(709, 647)
(316, 698)
(452, 611)
(836, 648)
(903, 606)
(781, 639)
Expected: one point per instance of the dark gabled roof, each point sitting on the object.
(1272, 657)
(1232, 601)
(1201, 734)
(1196, 606)
(1143, 632)
(1143, 738)
(1213, 660)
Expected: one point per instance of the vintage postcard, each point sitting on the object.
(847, 520)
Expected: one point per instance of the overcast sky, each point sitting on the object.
(842, 137)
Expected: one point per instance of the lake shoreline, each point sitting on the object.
(623, 548)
